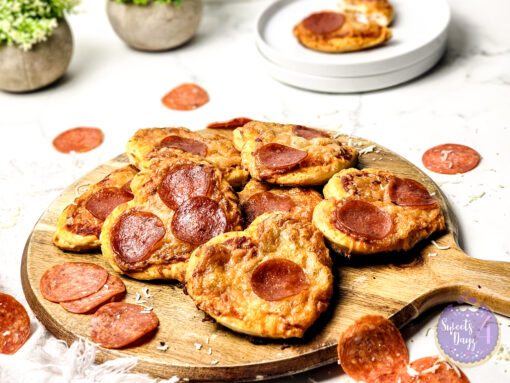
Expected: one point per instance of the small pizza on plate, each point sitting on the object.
(335, 32)
(258, 198)
(291, 155)
(79, 226)
(272, 280)
(180, 203)
(147, 144)
(371, 211)
(380, 11)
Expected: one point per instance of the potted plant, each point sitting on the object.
(154, 25)
(36, 43)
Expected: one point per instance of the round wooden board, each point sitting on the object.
(400, 286)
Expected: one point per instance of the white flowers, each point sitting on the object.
(27, 22)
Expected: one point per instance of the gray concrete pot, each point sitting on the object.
(155, 27)
(47, 61)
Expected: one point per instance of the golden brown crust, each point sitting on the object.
(77, 229)
(144, 146)
(356, 33)
(304, 200)
(219, 277)
(326, 155)
(380, 11)
(168, 260)
(409, 224)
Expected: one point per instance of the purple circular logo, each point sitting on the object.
(467, 336)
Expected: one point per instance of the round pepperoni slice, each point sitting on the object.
(431, 369)
(185, 182)
(185, 97)
(450, 159)
(408, 192)
(362, 219)
(71, 281)
(323, 22)
(277, 279)
(198, 220)
(135, 234)
(308, 133)
(277, 156)
(230, 124)
(14, 325)
(101, 203)
(265, 202)
(79, 140)
(112, 289)
(371, 348)
(186, 144)
(119, 324)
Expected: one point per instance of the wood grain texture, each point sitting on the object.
(396, 285)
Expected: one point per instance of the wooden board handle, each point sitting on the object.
(486, 281)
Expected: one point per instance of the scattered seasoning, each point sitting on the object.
(440, 247)
(209, 351)
(138, 299)
(475, 197)
(162, 348)
(214, 362)
(146, 292)
(207, 340)
(368, 149)
(198, 346)
(432, 254)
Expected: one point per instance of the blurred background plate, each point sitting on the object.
(419, 33)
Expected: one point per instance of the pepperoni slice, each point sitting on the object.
(277, 279)
(277, 156)
(185, 97)
(185, 182)
(408, 192)
(79, 140)
(113, 288)
(372, 348)
(308, 133)
(135, 234)
(198, 220)
(450, 159)
(71, 281)
(431, 369)
(230, 124)
(325, 22)
(101, 203)
(14, 325)
(362, 219)
(186, 144)
(265, 202)
(118, 324)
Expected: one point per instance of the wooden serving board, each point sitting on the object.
(399, 286)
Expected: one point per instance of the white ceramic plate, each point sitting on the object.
(419, 31)
(350, 84)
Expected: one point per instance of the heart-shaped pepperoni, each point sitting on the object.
(408, 192)
(278, 156)
(101, 203)
(186, 144)
(362, 219)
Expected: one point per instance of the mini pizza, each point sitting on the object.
(148, 144)
(291, 155)
(180, 203)
(335, 32)
(371, 211)
(258, 198)
(380, 11)
(272, 280)
(79, 226)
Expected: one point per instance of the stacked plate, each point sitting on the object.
(419, 29)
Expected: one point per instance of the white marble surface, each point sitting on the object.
(465, 99)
